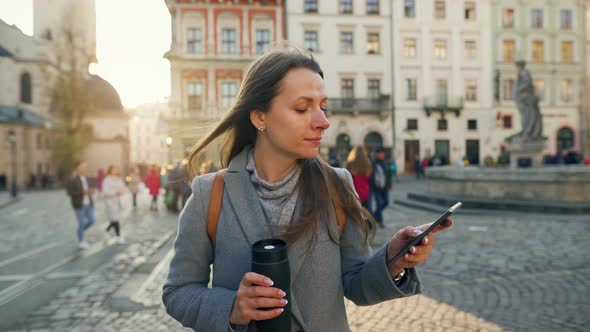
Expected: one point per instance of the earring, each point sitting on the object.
(261, 129)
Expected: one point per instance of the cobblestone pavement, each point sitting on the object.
(490, 272)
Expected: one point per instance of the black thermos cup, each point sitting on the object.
(269, 258)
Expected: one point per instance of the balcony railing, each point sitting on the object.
(443, 105)
(358, 105)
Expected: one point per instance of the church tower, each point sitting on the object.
(54, 19)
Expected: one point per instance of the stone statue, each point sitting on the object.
(528, 106)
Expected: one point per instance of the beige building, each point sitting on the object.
(148, 133)
(212, 44)
(586, 99)
(443, 75)
(28, 68)
(550, 36)
(24, 62)
(351, 41)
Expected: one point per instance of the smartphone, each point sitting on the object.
(419, 238)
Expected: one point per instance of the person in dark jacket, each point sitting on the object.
(380, 185)
(80, 193)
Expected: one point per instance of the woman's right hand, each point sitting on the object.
(256, 292)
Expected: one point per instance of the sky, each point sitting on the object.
(131, 39)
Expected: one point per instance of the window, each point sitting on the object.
(565, 138)
(310, 6)
(565, 19)
(440, 49)
(440, 9)
(471, 124)
(509, 50)
(411, 88)
(228, 41)
(412, 124)
(345, 6)
(347, 88)
(372, 7)
(471, 90)
(194, 40)
(537, 18)
(470, 49)
(311, 41)
(508, 18)
(229, 91)
(39, 141)
(567, 90)
(194, 92)
(507, 121)
(346, 42)
(262, 40)
(539, 88)
(373, 43)
(470, 10)
(25, 88)
(409, 8)
(507, 89)
(374, 88)
(410, 48)
(538, 54)
(567, 51)
(442, 125)
(441, 92)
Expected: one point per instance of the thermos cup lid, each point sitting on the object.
(269, 251)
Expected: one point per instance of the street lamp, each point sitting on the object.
(12, 140)
(169, 143)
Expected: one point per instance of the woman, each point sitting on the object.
(113, 188)
(276, 185)
(359, 166)
(134, 181)
(152, 181)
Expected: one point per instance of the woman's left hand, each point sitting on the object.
(417, 254)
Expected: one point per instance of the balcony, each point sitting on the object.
(443, 105)
(357, 106)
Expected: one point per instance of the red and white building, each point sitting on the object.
(213, 43)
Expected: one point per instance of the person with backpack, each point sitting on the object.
(276, 186)
(380, 185)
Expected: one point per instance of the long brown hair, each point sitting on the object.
(358, 162)
(318, 183)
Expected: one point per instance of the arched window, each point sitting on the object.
(565, 139)
(342, 147)
(25, 88)
(373, 140)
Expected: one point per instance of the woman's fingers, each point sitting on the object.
(265, 314)
(252, 278)
(261, 291)
(265, 302)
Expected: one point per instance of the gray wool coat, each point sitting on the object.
(320, 279)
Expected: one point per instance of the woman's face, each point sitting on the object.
(115, 171)
(296, 120)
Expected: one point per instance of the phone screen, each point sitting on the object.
(419, 238)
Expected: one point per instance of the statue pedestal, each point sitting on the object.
(526, 154)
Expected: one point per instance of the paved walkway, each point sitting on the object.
(490, 272)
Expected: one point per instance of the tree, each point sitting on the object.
(71, 101)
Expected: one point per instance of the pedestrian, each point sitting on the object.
(184, 183)
(152, 181)
(172, 188)
(359, 166)
(80, 193)
(277, 186)
(113, 188)
(380, 185)
(99, 178)
(134, 181)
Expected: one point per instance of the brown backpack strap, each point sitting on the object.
(215, 206)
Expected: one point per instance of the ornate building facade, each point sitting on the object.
(351, 41)
(213, 43)
(550, 37)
